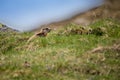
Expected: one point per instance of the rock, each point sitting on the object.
(4, 28)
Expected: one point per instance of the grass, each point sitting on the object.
(62, 55)
(0, 25)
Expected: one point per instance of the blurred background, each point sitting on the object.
(26, 15)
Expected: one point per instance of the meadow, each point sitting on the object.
(63, 54)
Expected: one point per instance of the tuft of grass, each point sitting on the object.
(63, 55)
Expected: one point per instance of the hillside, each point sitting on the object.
(85, 47)
(65, 54)
(111, 9)
(4, 28)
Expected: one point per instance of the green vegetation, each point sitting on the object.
(0, 25)
(63, 54)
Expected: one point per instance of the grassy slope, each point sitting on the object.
(61, 57)
(0, 25)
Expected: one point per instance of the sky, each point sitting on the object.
(25, 15)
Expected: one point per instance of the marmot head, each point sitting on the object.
(46, 30)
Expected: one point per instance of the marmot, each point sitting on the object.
(42, 33)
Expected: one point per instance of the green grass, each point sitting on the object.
(0, 25)
(62, 55)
